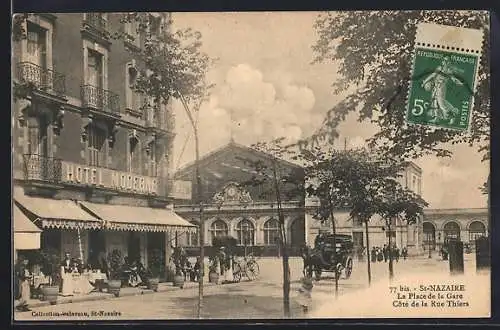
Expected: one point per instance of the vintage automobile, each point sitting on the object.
(323, 258)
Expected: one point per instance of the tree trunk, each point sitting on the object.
(368, 254)
(391, 266)
(284, 248)
(334, 232)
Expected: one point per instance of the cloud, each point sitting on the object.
(263, 110)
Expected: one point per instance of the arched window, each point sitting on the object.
(246, 232)
(218, 228)
(451, 230)
(271, 232)
(429, 235)
(476, 229)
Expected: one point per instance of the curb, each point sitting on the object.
(107, 296)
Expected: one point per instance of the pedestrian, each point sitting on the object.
(374, 254)
(304, 297)
(404, 252)
(385, 251)
(23, 277)
(396, 253)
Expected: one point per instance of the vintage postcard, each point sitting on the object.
(250, 165)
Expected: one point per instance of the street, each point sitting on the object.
(260, 299)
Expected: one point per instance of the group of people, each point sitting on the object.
(182, 264)
(383, 253)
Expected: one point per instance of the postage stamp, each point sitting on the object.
(444, 74)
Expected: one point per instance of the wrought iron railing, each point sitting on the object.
(42, 168)
(43, 79)
(100, 99)
(97, 21)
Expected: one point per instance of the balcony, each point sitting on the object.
(96, 22)
(100, 100)
(41, 168)
(43, 79)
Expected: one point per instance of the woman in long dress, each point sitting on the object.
(437, 83)
(67, 277)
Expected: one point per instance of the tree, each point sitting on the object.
(271, 172)
(374, 49)
(395, 202)
(360, 181)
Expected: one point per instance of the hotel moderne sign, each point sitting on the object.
(110, 179)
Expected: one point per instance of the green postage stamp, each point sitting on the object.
(444, 74)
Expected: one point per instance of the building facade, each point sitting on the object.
(466, 225)
(233, 206)
(91, 157)
(402, 233)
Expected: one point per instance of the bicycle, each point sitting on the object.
(247, 266)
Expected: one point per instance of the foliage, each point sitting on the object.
(373, 50)
(213, 261)
(51, 265)
(229, 242)
(272, 171)
(18, 30)
(115, 262)
(358, 180)
(156, 262)
(172, 64)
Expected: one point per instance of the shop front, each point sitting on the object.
(89, 231)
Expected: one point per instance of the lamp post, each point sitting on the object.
(199, 201)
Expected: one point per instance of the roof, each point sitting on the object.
(48, 208)
(136, 218)
(231, 146)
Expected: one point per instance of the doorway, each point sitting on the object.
(134, 247)
(97, 246)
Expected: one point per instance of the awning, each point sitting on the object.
(26, 233)
(132, 218)
(54, 213)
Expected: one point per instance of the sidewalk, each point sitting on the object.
(124, 292)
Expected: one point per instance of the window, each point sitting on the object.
(192, 239)
(451, 230)
(476, 229)
(414, 183)
(133, 98)
(36, 45)
(155, 23)
(218, 228)
(95, 69)
(95, 145)
(151, 159)
(271, 232)
(37, 136)
(245, 232)
(134, 160)
(132, 30)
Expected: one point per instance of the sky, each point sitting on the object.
(267, 87)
